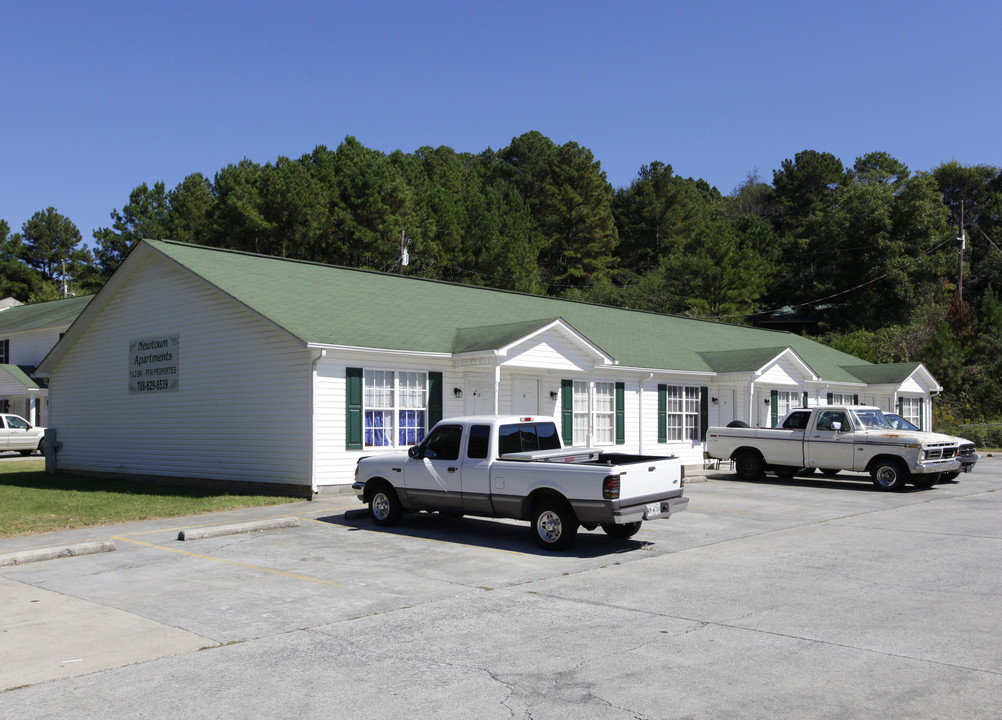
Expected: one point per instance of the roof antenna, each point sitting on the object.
(404, 256)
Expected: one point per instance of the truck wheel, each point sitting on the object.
(384, 506)
(890, 474)
(925, 481)
(748, 465)
(554, 525)
(624, 531)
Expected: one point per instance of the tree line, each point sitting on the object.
(865, 253)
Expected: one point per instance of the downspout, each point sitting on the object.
(313, 429)
(591, 407)
(497, 389)
(640, 396)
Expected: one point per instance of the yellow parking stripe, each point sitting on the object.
(283, 573)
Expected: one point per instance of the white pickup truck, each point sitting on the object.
(834, 438)
(515, 467)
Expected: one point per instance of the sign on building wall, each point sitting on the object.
(153, 364)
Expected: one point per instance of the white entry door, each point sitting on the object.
(524, 396)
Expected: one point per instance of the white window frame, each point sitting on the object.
(682, 413)
(605, 414)
(842, 399)
(400, 398)
(594, 413)
(911, 410)
(787, 400)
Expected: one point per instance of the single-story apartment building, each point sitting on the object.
(202, 365)
(27, 334)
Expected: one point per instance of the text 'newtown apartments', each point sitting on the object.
(215, 367)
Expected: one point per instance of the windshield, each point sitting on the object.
(872, 419)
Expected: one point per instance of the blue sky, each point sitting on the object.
(100, 97)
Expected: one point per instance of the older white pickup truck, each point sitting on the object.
(835, 438)
(516, 467)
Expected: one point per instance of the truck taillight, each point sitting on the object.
(610, 487)
(683, 475)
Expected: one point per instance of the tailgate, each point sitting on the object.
(649, 478)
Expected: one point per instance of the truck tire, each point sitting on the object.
(554, 524)
(889, 474)
(925, 481)
(384, 505)
(748, 465)
(624, 531)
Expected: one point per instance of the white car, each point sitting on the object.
(16, 433)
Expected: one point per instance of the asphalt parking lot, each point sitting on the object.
(809, 598)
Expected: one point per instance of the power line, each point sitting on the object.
(840, 293)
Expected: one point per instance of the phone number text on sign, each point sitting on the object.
(153, 364)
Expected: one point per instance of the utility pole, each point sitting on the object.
(962, 241)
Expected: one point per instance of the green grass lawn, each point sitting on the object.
(33, 501)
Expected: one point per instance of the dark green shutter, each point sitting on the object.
(620, 413)
(774, 407)
(901, 406)
(805, 398)
(567, 410)
(434, 398)
(353, 403)
(704, 412)
(921, 413)
(662, 413)
(855, 399)
(831, 398)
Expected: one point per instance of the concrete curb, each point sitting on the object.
(237, 528)
(30, 556)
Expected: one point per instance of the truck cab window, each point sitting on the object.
(797, 421)
(826, 420)
(480, 436)
(443, 443)
(548, 437)
(509, 439)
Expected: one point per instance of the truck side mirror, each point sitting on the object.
(415, 452)
(837, 426)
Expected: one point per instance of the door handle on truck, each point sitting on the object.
(452, 469)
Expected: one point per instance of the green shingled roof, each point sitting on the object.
(37, 316)
(22, 374)
(890, 374)
(326, 305)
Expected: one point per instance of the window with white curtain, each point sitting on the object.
(682, 413)
(605, 413)
(394, 408)
(601, 418)
(911, 410)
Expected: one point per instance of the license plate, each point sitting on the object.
(653, 511)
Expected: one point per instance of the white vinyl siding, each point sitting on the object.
(243, 408)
